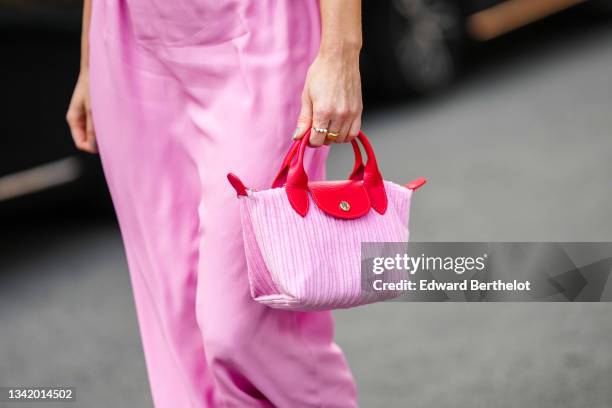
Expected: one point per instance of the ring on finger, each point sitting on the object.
(332, 135)
(320, 130)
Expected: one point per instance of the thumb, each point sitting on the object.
(305, 119)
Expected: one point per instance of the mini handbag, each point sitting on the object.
(303, 239)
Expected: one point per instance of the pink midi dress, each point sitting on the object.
(184, 91)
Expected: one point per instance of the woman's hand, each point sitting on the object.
(79, 111)
(79, 116)
(331, 98)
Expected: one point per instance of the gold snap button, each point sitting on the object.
(345, 206)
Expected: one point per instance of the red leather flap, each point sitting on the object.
(346, 199)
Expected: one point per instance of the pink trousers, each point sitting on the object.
(182, 92)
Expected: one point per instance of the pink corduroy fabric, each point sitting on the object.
(314, 262)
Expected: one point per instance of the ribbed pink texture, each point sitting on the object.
(314, 262)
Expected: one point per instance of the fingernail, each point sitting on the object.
(296, 133)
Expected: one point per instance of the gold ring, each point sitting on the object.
(320, 130)
(333, 135)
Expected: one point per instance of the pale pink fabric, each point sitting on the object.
(182, 93)
(314, 262)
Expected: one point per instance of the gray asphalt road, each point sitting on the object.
(521, 150)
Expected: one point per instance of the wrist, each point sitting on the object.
(84, 61)
(84, 73)
(340, 48)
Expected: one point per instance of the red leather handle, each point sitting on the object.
(297, 179)
(281, 176)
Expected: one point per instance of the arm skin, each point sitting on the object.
(79, 111)
(332, 93)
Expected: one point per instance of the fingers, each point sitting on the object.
(340, 129)
(305, 119)
(90, 144)
(340, 123)
(81, 129)
(354, 129)
(346, 124)
(80, 121)
(342, 118)
(77, 120)
(319, 121)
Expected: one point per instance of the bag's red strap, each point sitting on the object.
(297, 179)
(281, 176)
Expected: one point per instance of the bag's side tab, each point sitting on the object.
(298, 198)
(237, 184)
(416, 184)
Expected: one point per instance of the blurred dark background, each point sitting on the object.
(504, 106)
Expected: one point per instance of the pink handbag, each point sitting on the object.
(303, 239)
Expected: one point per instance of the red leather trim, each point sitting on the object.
(237, 184)
(371, 177)
(416, 183)
(281, 175)
(358, 168)
(298, 198)
(345, 199)
(378, 196)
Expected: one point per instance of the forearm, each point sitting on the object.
(85, 35)
(341, 28)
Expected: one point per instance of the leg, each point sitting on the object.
(244, 118)
(171, 122)
(138, 113)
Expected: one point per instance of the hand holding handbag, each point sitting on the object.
(303, 239)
